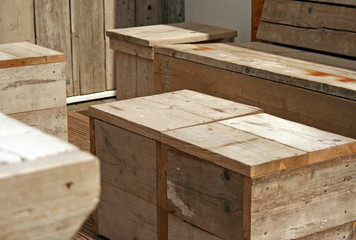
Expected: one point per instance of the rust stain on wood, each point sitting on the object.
(323, 74)
(201, 48)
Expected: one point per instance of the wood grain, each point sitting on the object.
(110, 23)
(149, 12)
(257, 8)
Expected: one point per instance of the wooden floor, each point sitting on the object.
(78, 134)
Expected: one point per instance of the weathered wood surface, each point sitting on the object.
(17, 21)
(78, 130)
(341, 2)
(88, 46)
(148, 116)
(53, 31)
(32, 163)
(313, 76)
(345, 231)
(275, 199)
(253, 149)
(174, 11)
(171, 33)
(52, 121)
(257, 8)
(317, 26)
(332, 114)
(149, 12)
(24, 53)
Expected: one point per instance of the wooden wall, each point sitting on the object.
(77, 28)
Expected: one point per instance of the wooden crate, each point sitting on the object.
(48, 187)
(134, 51)
(126, 137)
(190, 166)
(282, 81)
(32, 86)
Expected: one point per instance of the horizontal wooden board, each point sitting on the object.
(35, 87)
(281, 209)
(131, 48)
(171, 33)
(25, 53)
(342, 2)
(316, 77)
(52, 121)
(332, 114)
(345, 231)
(148, 116)
(311, 38)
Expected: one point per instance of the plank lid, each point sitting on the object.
(151, 115)
(171, 33)
(25, 53)
(259, 144)
(21, 143)
(317, 77)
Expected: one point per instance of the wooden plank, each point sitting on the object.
(17, 21)
(24, 53)
(145, 83)
(132, 49)
(174, 11)
(345, 231)
(296, 104)
(88, 46)
(162, 214)
(275, 198)
(239, 151)
(310, 15)
(205, 195)
(53, 31)
(127, 217)
(126, 75)
(110, 18)
(300, 54)
(125, 14)
(342, 2)
(257, 8)
(317, 77)
(317, 39)
(52, 121)
(130, 167)
(78, 130)
(149, 12)
(171, 33)
(31, 88)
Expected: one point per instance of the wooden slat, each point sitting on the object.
(342, 2)
(339, 82)
(174, 11)
(126, 75)
(53, 31)
(17, 21)
(149, 12)
(88, 46)
(110, 11)
(125, 14)
(78, 130)
(345, 231)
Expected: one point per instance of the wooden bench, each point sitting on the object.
(185, 165)
(134, 51)
(48, 187)
(32, 86)
(313, 88)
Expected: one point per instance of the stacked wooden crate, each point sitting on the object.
(135, 54)
(303, 86)
(32, 86)
(184, 165)
(48, 187)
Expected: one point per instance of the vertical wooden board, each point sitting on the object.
(17, 21)
(257, 8)
(110, 15)
(128, 160)
(174, 11)
(144, 82)
(126, 216)
(125, 14)
(88, 42)
(53, 31)
(204, 194)
(282, 210)
(149, 12)
(126, 75)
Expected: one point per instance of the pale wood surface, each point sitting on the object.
(110, 11)
(53, 31)
(171, 33)
(332, 114)
(151, 115)
(303, 201)
(132, 49)
(52, 121)
(126, 75)
(259, 144)
(88, 46)
(24, 53)
(31, 88)
(313, 76)
(345, 231)
(16, 21)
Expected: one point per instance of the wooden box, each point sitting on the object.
(32, 86)
(293, 84)
(126, 137)
(48, 187)
(134, 51)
